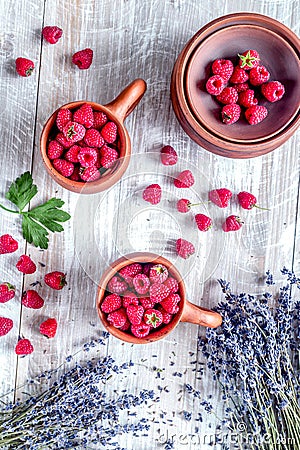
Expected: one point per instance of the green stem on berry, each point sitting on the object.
(9, 210)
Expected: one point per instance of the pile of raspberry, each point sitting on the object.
(242, 86)
(141, 298)
(84, 143)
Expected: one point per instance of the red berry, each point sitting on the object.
(72, 154)
(130, 271)
(158, 292)
(73, 132)
(152, 194)
(129, 298)
(26, 265)
(255, 114)
(146, 268)
(258, 75)
(168, 156)
(273, 91)
(52, 34)
(54, 150)
(63, 141)
(249, 59)
(232, 223)
(230, 113)
(141, 330)
(109, 132)
(135, 314)
(85, 116)
(170, 304)
(49, 327)
(89, 173)
(93, 138)
(8, 244)
(99, 119)
(247, 99)
(63, 117)
(116, 285)
(141, 283)
(31, 299)
(64, 167)
(83, 59)
(172, 284)
(24, 347)
(87, 156)
(228, 95)
(183, 205)
(204, 223)
(166, 317)
(246, 200)
(7, 292)
(220, 197)
(108, 156)
(24, 67)
(184, 180)
(158, 273)
(215, 85)
(111, 303)
(75, 175)
(126, 325)
(56, 280)
(240, 87)
(147, 303)
(6, 325)
(184, 248)
(239, 76)
(222, 67)
(118, 318)
(153, 317)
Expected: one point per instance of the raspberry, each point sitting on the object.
(109, 132)
(129, 298)
(63, 117)
(222, 67)
(232, 223)
(158, 292)
(26, 265)
(56, 280)
(6, 325)
(153, 317)
(135, 314)
(184, 180)
(72, 154)
(117, 318)
(247, 99)
(87, 156)
(184, 248)
(7, 292)
(64, 167)
(215, 85)
(24, 67)
(249, 59)
(220, 197)
(258, 75)
(158, 273)
(126, 325)
(93, 138)
(52, 34)
(8, 244)
(73, 132)
(255, 114)
(239, 76)
(246, 200)
(63, 141)
(111, 303)
(75, 175)
(172, 285)
(170, 304)
(141, 330)
(147, 303)
(49, 327)
(166, 317)
(204, 223)
(130, 271)
(108, 156)
(141, 283)
(168, 156)
(54, 150)
(89, 174)
(99, 119)
(83, 59)
(183, 205)
(84, 115)
(152, 194)
(228, 95)
(116, 285)
(24, 347)
(240, 87)
(31, 299)
(230, 113)
(273, 91)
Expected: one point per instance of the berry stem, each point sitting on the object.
(260, 207)
(9, 210)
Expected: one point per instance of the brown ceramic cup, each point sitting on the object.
(116, 111)
(188, 312)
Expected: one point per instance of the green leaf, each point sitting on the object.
(50, 211)
(22, 191)
(34, 233)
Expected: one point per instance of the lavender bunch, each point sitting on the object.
(254, 355)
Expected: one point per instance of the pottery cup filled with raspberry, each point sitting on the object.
(141, 298)
(85, 146)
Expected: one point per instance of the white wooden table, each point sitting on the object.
(133, 39)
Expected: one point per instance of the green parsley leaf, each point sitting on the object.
(22, 191)
(34, 233)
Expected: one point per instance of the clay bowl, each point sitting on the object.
(116, 111)
(188, 312)
(198, 112)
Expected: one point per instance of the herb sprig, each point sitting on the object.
(37, 221)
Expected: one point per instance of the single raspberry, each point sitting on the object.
(7, 292)
(141, 283)
(118, 318)
(230, 113)
(111, 303)
(116, 285)
(166, 317)
(228, 95)
(126, 326)
(49, 327)
(89, 174)
(152, 194)
(255, 114)
(6, 325)
(247, 98)
(75, 175)
(158, 273)
(135, 314)
(158, 292)
(141, 330)
(204, 223)
(63, 117)
(184, 248)
(31, 299)
(220, 197)
(172, 284)
(83, 59)
(168, 156)
(109, 132)
(240, 87)
(222, 67)
(73, 132)
(170, 304)
(232, 223)
(56, 280)
(64, 167)
(24, 67)
(153, 317)
(108, 156)
(72, 154)
(24, 347)
(8, 244)
(247, 200)
(273, 91)
(239, 76)
(130, 271)
(249, 59)
(129, 298)
(93, 138)
(258, 75)
(63, 141)
(26, 265)
(183, 205)
(52, 34)
(147, 303)
(87, 156)
(184, 180)
(215, 85)
(84, 115)
(100, 119)
(54, 150)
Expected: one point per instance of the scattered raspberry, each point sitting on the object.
(56, 280)
(72, 154)
(8, 244)
(52, 34)
(129, 298)
(273, 91)
(168, 156)
(172, 285)
(184, 180)
(85, 116)
(108, 156)
(26, 265)
(31, 299)
(116, 285)
(258, 75)
(249, 59)
(141, 330)
(6, 325)
(63, 117)
(232, 223)
(204, 223)
(64, 167)
(152, 194)
(109, 132)
(247, 98)
(7, 292)
(184, 248)
(135, 314)
(255, 114)
(93, 138)
(166, 317)
(246, 200)
(222, 67)
(183, 205)
(73, 132)
(99, 119)
(89, 174)
(228, 95)
(170, 304)
(215, 85)
(49, 327)
(111, 303)
(118, 318)
(83, 59)
(239, 76)
(24, 347)
(24, 67)
(158, 273)
(130, 271)
(240, 87)
(147, 303)
(63, 141)
(158, 292)
(153, 317)
(141, 283)
(220, 197)
(54, 150)
(230, 113)
(87, 156)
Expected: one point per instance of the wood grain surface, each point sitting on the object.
(134, 39)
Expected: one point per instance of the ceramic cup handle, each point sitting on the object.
(127, 100)
(200, 316)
